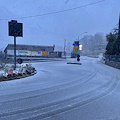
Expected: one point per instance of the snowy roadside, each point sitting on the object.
(7, 71)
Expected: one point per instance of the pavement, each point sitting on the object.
(60, 91)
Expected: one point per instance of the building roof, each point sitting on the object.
(29, 45)
(11, 45)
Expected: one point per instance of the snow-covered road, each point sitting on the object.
(61, 91)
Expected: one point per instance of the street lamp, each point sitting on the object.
(81, 34)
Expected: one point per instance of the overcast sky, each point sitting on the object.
(55, 28)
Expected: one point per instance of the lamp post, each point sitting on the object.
(81, 34)
(65, 48)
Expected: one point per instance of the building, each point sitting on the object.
(34, 51)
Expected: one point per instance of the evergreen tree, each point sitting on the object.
(118, 40)
(111, 46)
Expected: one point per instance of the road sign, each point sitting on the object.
(19, 60)
(75, 48)
(75, 44)
(15, 29)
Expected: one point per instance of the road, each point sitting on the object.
(61, 91)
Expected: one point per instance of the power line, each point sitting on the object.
(56, 12)
(47, 32)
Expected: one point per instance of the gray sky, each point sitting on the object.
(55, 28)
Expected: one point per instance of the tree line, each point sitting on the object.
(93, 44)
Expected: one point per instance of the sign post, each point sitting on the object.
(14, 52)
(15, 29)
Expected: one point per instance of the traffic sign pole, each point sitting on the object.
(16, 30)
(14, 52)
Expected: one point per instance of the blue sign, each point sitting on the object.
(40, 52)
(75, 44)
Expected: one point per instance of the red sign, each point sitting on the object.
(10, 72)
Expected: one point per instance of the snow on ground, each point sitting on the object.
(61, 91)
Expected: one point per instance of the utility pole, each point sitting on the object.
(65, 48)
